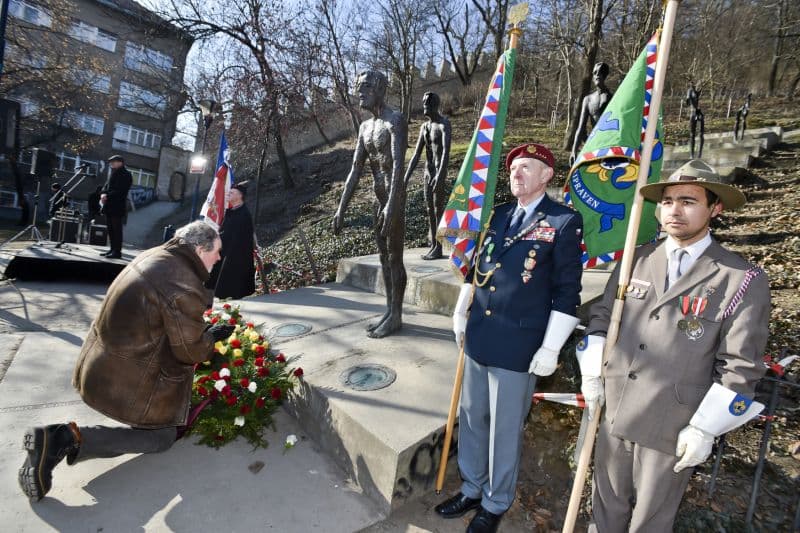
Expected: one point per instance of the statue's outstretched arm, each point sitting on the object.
(415, 158)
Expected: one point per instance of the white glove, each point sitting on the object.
(589, 353)
(460, 313)
(559, 327)
(694, 447)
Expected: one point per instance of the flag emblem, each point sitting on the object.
(739, 405)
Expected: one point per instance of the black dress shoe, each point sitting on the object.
(457, 506)
(484, 522)
(46, 447)
(106, 253)
(115, 255)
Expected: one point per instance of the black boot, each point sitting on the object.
(46, 447)
(458, 505)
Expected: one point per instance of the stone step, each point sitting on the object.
(432, 286)
(758, 147)
(773, 135)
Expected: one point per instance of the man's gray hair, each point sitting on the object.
(197, 233)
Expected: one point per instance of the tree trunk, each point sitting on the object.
(283, 160)
(777, 49)
(261, 161)
(592, 45)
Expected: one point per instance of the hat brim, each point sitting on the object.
(731, 197)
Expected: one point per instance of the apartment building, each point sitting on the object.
(120, 92)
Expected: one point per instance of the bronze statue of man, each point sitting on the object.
(693, 99)
(741, 118)
(383, 140)
(434, 136)
(592, 107)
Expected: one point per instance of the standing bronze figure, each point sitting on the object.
(435, 137)
(592, 107)
(693, 99)
(383, 140)
(741, 118)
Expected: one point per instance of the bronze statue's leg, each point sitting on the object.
(433, 220)
(702, 136)
(439, 202)
(736, 126)
(396, 273)
(692, 131)
(383, 255)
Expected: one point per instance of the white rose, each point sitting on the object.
(225, 372)
(252, 386)
(238, 421)
(225, 316)
(220, 384)
(291, 440)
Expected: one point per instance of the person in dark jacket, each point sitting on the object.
(234, 276)
(137, 362)
(113, 197)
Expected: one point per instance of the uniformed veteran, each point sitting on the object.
(527, 280)
(693, 331)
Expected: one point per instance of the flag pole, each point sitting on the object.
(626, 262)
(516, 15)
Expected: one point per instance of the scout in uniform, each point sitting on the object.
(687, 360)
(527, 278)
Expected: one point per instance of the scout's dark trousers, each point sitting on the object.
(103, 441)
(115, 233)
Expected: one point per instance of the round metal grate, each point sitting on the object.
(368, 377)
(290, 329)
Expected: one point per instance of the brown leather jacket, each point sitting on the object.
(136, 365)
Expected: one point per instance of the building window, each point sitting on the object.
(24, 57)
(143, 59)
(93, 35)
(83, 122)
(97, 82)
(8, 198)
(142, 177)
(70, 163)
(29, 12)
(130, 134)
(140, 100)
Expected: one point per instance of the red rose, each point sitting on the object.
(298, 373)
(259, 361)
(202, 380)
(231, 400)
(215, 375)
(244, 382)
(260, 402)
(238, 362)
(260, 338)
(259, 349)
(219, 438)
(207, 312)
(280, 358)
(250, 325)
(202, 391)
(224, 365)
(226, 390)
(214, 394)
(263, 372)
(214, 320)
(232, 321)
(245, 409)
(226, 378)
(236, 343)
(226, 306)
(275, 393)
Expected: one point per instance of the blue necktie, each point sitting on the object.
(516, 223)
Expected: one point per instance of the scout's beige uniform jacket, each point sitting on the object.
(656, 377)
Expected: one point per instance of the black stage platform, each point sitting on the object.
(49, 261)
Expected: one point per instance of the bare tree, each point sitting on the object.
(494, 14)
(264, 31)
(464, 42)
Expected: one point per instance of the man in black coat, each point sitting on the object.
(234, 276)
(113, 198)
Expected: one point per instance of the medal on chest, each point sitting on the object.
(528, 265)
(691, 325)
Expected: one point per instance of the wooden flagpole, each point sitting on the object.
(516, 15)
(626, 263)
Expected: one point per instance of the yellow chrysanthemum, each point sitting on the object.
(237, 352)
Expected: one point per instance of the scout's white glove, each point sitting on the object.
(559, 327)
(694, 447)
(720, 411)
(589, 353)
(460, 313)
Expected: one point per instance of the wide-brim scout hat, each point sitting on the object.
(697, 172)
(531, 151)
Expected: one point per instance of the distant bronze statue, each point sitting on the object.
(435, 137)
(741, 118)
(592, 107)
(383, 140)
(693, 99)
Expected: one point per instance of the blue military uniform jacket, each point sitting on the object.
(520, 281)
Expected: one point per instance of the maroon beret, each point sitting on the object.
(532, 151)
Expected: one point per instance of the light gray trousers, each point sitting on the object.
(634, 488)
(104, 441)
(494, 405)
